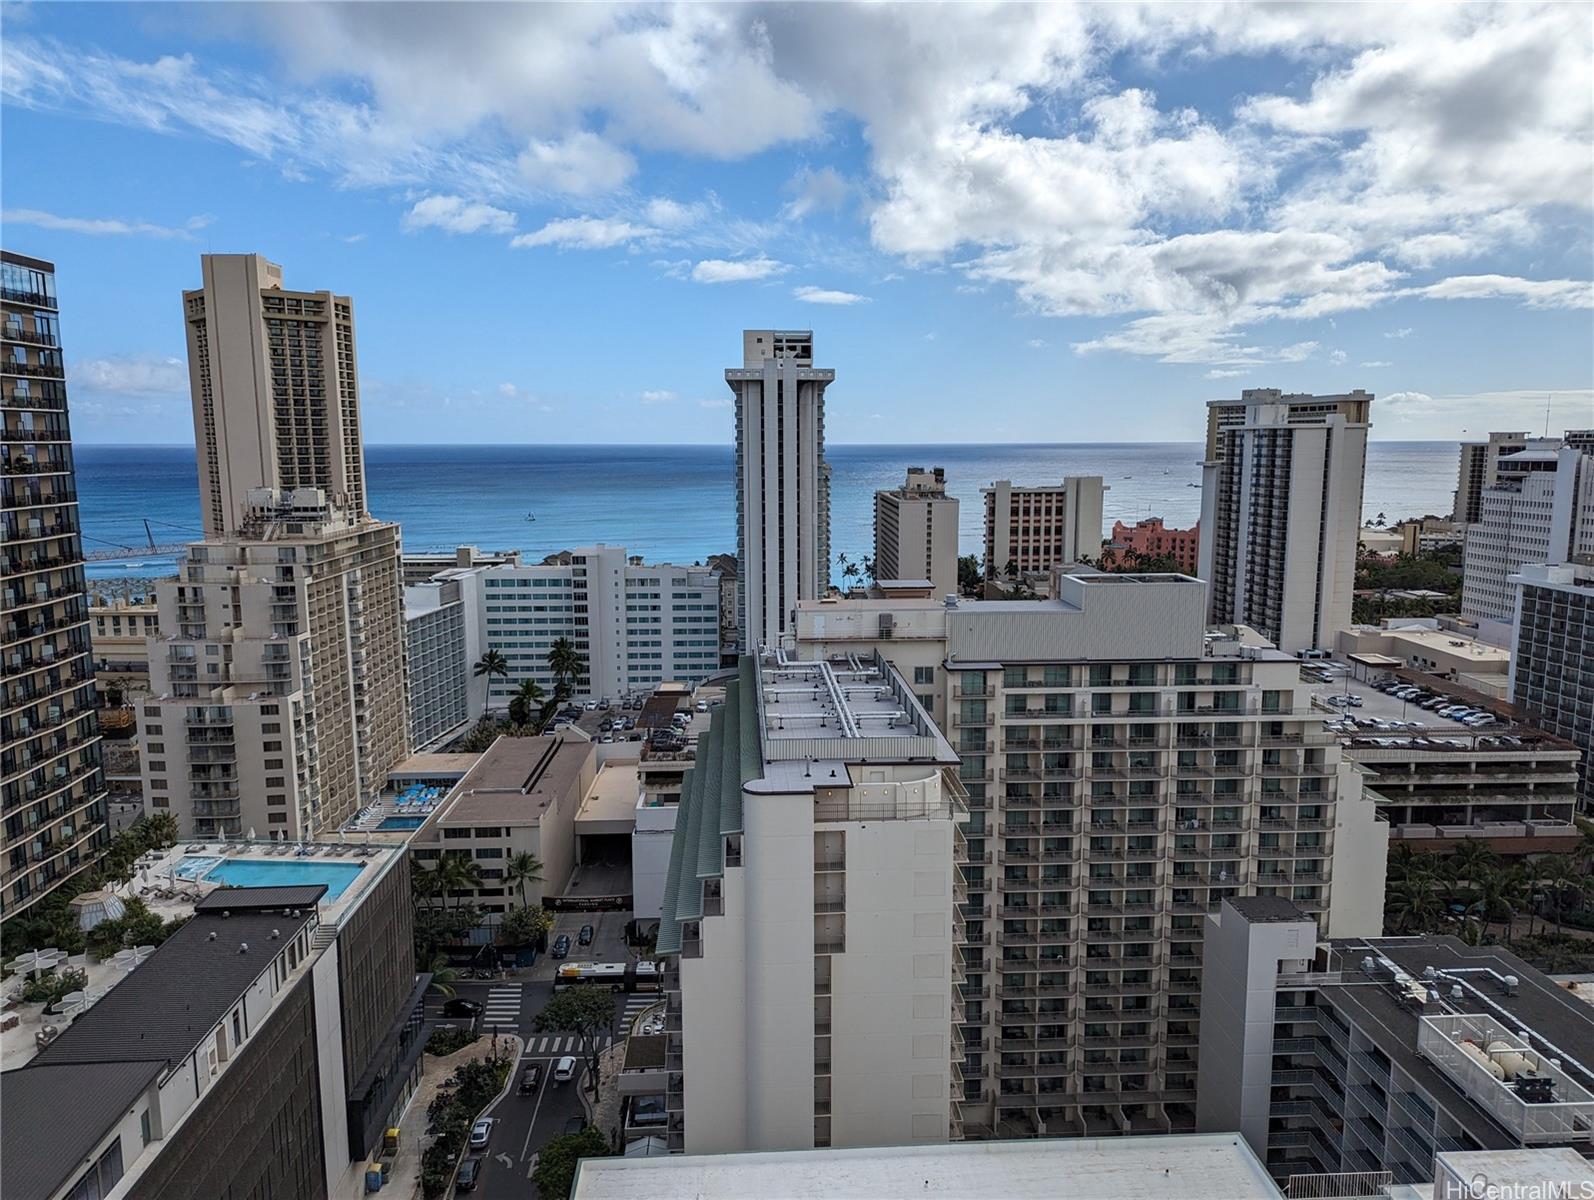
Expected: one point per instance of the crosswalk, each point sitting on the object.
(561, 1043)
(634, 1007)
(503, 1005)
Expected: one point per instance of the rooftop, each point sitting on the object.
(1259, 909)
(612, 795)
(515, 780)
(1189, 1166)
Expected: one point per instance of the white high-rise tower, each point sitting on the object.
(782, 482)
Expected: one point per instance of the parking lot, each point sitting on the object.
(1377, 705)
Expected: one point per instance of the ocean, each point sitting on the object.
(678, 503)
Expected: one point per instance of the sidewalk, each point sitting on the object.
(404, 1181)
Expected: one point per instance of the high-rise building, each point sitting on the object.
(264, 1049)
(632, 624)
(278, 697)
(1539, 509)
(916, 531)
(53, 782)
(1127, 769)
(782, 481)
(275, 392)
(1281, 502)
(812, 905)
(1552, 660)
(1382, 1055)
(1480, 469)
(437, 646)
(1033, 529)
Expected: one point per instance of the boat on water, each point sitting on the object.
(531, 516)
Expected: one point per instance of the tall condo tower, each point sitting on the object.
(276, 399)
(1281, 503)
(782, 482)
(277, 685)
(916, 531)
(49, 736)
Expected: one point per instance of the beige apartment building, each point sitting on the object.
(278, 696)
(50, 758)
(275, 392)
(521, 797)
(916, 531)
(122, 629)
(811, 904)
(1281, 501)
(1127, 770)
(1033, 529)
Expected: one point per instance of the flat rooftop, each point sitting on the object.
(1189, 1166)
(434, 766)
(514, 782)
(613, 794)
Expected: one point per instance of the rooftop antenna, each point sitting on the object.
(1547, 396)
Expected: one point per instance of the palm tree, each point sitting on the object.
(526, 702)
(1498, 892)
(457, 872)
(1559, 877)
(1470, 861)
(493, 665)
(521, 869)
(1412, 905)
(444, 976)
(565, 663)
(161, 830)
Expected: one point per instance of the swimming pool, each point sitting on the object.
(402, 822)
(253, 872)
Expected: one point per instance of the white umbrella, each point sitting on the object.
(126, 959)
(73, 1003)
(33, 960)
(140, 953)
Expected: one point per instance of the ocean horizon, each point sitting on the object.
(677, 502)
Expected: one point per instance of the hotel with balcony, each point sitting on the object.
(1383, 1056)
(278, 693)
(53, 781)
(1127, 770)
(812, 909)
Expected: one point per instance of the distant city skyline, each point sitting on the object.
(1057, 224)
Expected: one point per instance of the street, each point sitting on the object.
(524, 1124)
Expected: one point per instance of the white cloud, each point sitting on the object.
(455, 214)
(665, 213)
(1419, 414)
(1535, 293)
(130, 375)
(584, 233)
(658, 396)
(1226, 373)
(720, 270)
(101, 226)
(508, 390)
(581, 164)
(1036, 343)
(816, 295)
(1398, 333)
(814, 191)
(1337, 357)
(1377, 363)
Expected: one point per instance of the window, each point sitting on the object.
(923, 674)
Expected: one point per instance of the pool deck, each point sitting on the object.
(169, 896)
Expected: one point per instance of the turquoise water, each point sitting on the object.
(402, 822)
(249, 872)
(678, 503)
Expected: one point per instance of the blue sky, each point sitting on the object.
(1003, 224)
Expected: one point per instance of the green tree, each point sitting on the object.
(1471, 861)
(969, 574)
(493, 665)
(1412, 907)
(521, 869)
(444, 975)
(587, 1012)
(457, 874)
(1561, 881)
(564, 660)
(526, 703)
(523, 926)
(555, 1173)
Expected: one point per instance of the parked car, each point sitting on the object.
(561, 946)
(590, 706)
(470, 1173)
(481, 1132)
(586, 935)
(564, 1070)
(702, 706)
(530, 1078)
(461, 1007)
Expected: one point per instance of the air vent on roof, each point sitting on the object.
(243, 947)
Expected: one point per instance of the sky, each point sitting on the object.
(1003, 223)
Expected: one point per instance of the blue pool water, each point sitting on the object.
(264, 873)
(402, 822)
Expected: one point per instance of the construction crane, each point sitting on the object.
(119, 550)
